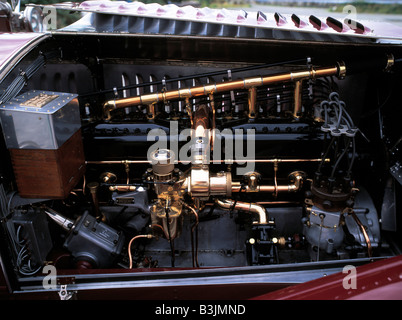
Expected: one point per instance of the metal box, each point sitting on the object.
(94, 242)
(40, 119)
(35, 232)
(42, 133)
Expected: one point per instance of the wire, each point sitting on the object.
(340, 115)
(25, 268)
(9, 225)
(324, 104)
(347, 114)
(201, 75)
(380, 106)
(22, 79)
(353, 157)
(23, 260)
(9, 202)
(326, 154)
(340, 157)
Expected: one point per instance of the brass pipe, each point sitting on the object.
(194, 212)
(213, 126)
(390, 62)
(151, 111)
(275, 179)
(252, 103)
(285, 160)
(201, 118)
(93, 189)
(127, 169)
(201, 130)
(237, 187)
(261, 203)
(292, 187)
(244, 206)
(211, 161)
(148, 99)
(118, 162)
(189, 112)
(124, 188)
(297, 97)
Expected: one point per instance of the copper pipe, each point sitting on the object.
(245, 206)
(201, 118)
(149, 99)
(365, 234)
(148, 236)
(160, 227)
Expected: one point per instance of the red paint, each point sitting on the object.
(380, 280)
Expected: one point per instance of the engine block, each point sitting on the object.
(233, 154)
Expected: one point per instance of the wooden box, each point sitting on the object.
(49, 174)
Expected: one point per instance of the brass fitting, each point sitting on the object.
(245, 206)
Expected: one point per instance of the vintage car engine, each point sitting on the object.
(142, 152)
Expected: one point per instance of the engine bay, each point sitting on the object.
(135, 152)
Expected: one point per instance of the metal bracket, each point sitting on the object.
(64, 293)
